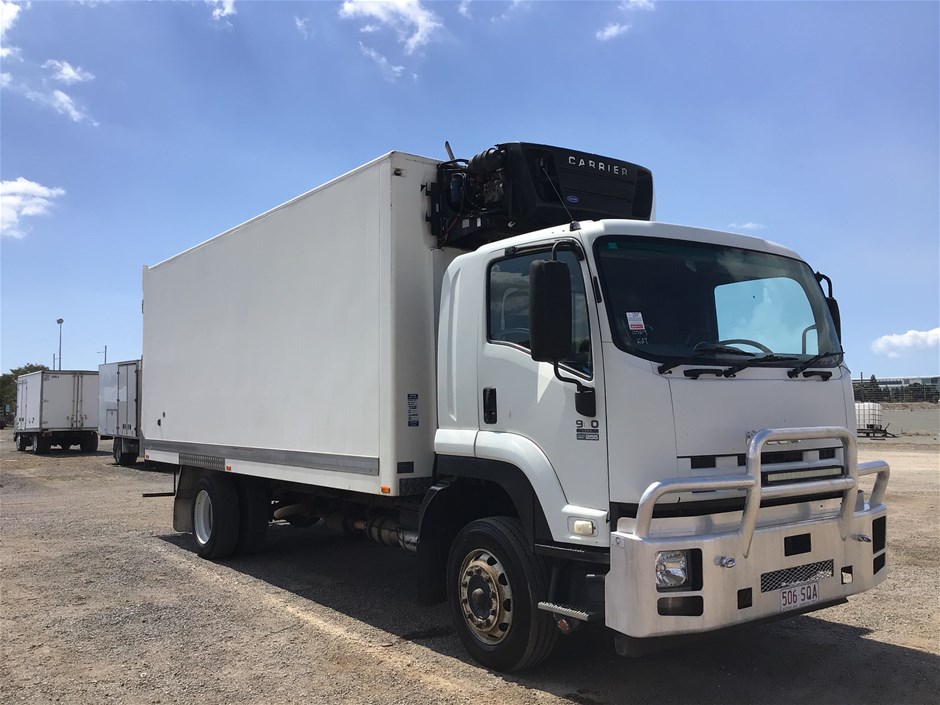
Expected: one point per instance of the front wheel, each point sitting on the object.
(494, 585)
(215, 516)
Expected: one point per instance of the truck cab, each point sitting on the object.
(677, 400)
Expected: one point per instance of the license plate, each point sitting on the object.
(792, 598)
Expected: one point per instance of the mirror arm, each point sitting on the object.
(585, 400)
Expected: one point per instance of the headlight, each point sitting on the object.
(672, 569)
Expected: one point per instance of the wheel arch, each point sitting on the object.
(470, 489)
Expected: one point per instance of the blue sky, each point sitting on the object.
(130, 131)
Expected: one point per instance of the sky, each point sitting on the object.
(131, 131)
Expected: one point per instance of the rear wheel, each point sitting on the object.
(89, 443)
(41, 444)
(494, 585)
(125, 454)
(215, 516)
(21, 442)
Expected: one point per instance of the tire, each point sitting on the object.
(215, 516)
(89, 443)
(122, 456)
(21, 444)
(494, 585)
(41, 445)
(254, 506)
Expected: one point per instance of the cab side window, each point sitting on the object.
(508, 309)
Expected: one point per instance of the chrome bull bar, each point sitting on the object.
(751, 482)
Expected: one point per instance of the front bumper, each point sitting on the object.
(743, 560)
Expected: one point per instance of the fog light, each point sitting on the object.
(672, 569)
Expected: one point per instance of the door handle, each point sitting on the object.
(489, 404)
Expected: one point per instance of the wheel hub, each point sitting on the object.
(486, 596)
(202, 517)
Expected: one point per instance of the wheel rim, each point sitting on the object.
(202, 517)
(485, 596)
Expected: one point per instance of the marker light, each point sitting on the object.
(584, 527)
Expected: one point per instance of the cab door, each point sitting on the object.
(524, 397)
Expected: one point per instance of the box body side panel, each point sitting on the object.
(267, 343)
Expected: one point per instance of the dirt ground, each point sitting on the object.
(101, 602)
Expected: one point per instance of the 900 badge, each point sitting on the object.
(583, 433)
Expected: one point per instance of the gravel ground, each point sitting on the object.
(101, 602)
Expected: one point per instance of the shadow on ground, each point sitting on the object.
(800, 660)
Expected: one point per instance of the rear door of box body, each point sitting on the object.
(127, 400)
(58, 401)
(107, 399)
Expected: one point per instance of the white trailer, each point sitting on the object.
(56, 408)
(604, 420)
(119, 408)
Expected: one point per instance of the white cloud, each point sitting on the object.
(22, 199)
(898, 344)
(413, 22)
(368, 29)
(513, 6)
(66, 73)
(390, 72)
(59, 101)
(302, 24)
(221, 9)
(9, 11)
(613, 29)
(638, 5)
(746, 226)
(464, 8)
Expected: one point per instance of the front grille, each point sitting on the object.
(809, 573)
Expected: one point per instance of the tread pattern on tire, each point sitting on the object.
(542, 635)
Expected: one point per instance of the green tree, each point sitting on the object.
(8, 384)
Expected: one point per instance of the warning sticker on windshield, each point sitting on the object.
(635, 320)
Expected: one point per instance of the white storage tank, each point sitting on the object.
(868, 415)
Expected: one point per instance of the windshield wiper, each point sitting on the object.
(795, 372)
(701, 350)
(769, 357)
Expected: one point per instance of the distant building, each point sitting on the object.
(898, 382)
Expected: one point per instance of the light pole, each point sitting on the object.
(60, 321)
(105, 351)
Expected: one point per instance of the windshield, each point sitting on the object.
(672, 299)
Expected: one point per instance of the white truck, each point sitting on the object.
(56, 408)
(570, 413)
(119, 409)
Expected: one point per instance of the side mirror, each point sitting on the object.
(836, 316)
(549, 310)
(550, 320)
(831, 303)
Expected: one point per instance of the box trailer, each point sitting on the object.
(119, 408)
(569, 412)
(56, 408)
